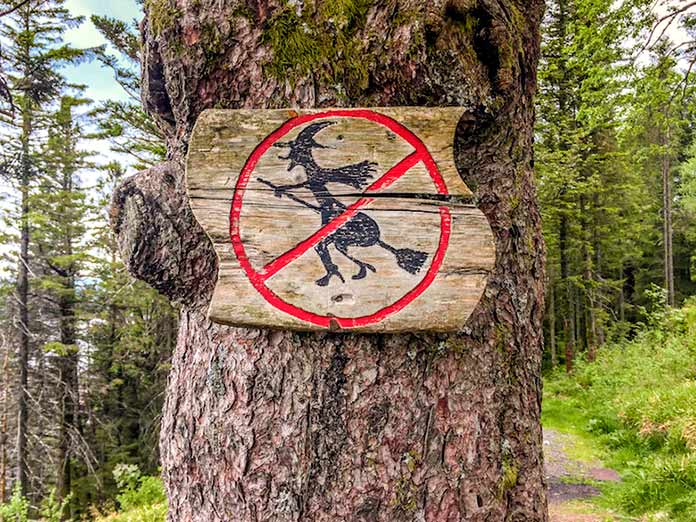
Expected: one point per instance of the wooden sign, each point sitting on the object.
(349, 219)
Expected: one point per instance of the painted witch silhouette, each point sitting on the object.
(361, 230)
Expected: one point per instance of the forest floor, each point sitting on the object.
(573, 473)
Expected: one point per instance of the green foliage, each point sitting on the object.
(141, 498)
(147, 513)
(120, 34)
(124, 124)
(590, 201)
(637, 402)
(60, 349)
(37, 53)
(163, 13)
(131, 333)
(52, 509)
(686, 217)
(102, 340)
(608, 127)
(137, 490)
(17, 509)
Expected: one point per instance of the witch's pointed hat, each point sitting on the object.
(305, 139)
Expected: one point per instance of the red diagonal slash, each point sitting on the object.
(384, 181)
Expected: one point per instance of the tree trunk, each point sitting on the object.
(667, 232)
(622, 293)
(588, 281)
(565, 106)
(569, 315)
(68, 382)
(23, 301)
(264, 425)
(68, 363)
(551, 292)
(3, 421)
(600, 335)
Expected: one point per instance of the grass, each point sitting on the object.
(635, 408)
(577, 510)
(152, 513)
(565, 415)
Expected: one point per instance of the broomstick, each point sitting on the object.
(411, 261)
(290, 195)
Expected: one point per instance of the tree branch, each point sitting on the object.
(670, 18)
(159, 240)
(12, 9)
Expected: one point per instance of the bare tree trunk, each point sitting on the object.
(266, 425)
(622, 293)
(588, 280)
(551, 292)
(23, 300)
(3, 420)
(667, 232)
(569, 316)
(68, 382)
(598, 325)
(579, 320)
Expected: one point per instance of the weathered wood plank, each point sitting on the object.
(345, 220)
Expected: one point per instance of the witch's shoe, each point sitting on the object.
(364, 267)
(331, 271)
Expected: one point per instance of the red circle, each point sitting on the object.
(257, 279)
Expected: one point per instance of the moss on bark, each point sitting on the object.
(319, 41)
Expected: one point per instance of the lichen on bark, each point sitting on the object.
(264, 425)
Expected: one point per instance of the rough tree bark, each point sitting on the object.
(279, 426)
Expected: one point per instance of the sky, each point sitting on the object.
(99, 80)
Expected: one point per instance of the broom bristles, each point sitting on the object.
(410, 260)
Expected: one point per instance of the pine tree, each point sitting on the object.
(130, 131)
(656, 135)
(60, 229)
(34, 55)
(131, 334)
(582, 84)
(686, 221)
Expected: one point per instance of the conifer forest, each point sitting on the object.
(86, 348)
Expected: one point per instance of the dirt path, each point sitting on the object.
(569, 481)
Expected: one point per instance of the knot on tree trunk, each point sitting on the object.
(158, 237)
(154, 91)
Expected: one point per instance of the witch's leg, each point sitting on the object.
(322, 249)
(364, 267)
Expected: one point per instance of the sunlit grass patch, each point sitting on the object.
(635, 409)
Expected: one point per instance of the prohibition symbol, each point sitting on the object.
(344, 230)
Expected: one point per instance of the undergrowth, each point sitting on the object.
(637, 402)
(141, 498)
